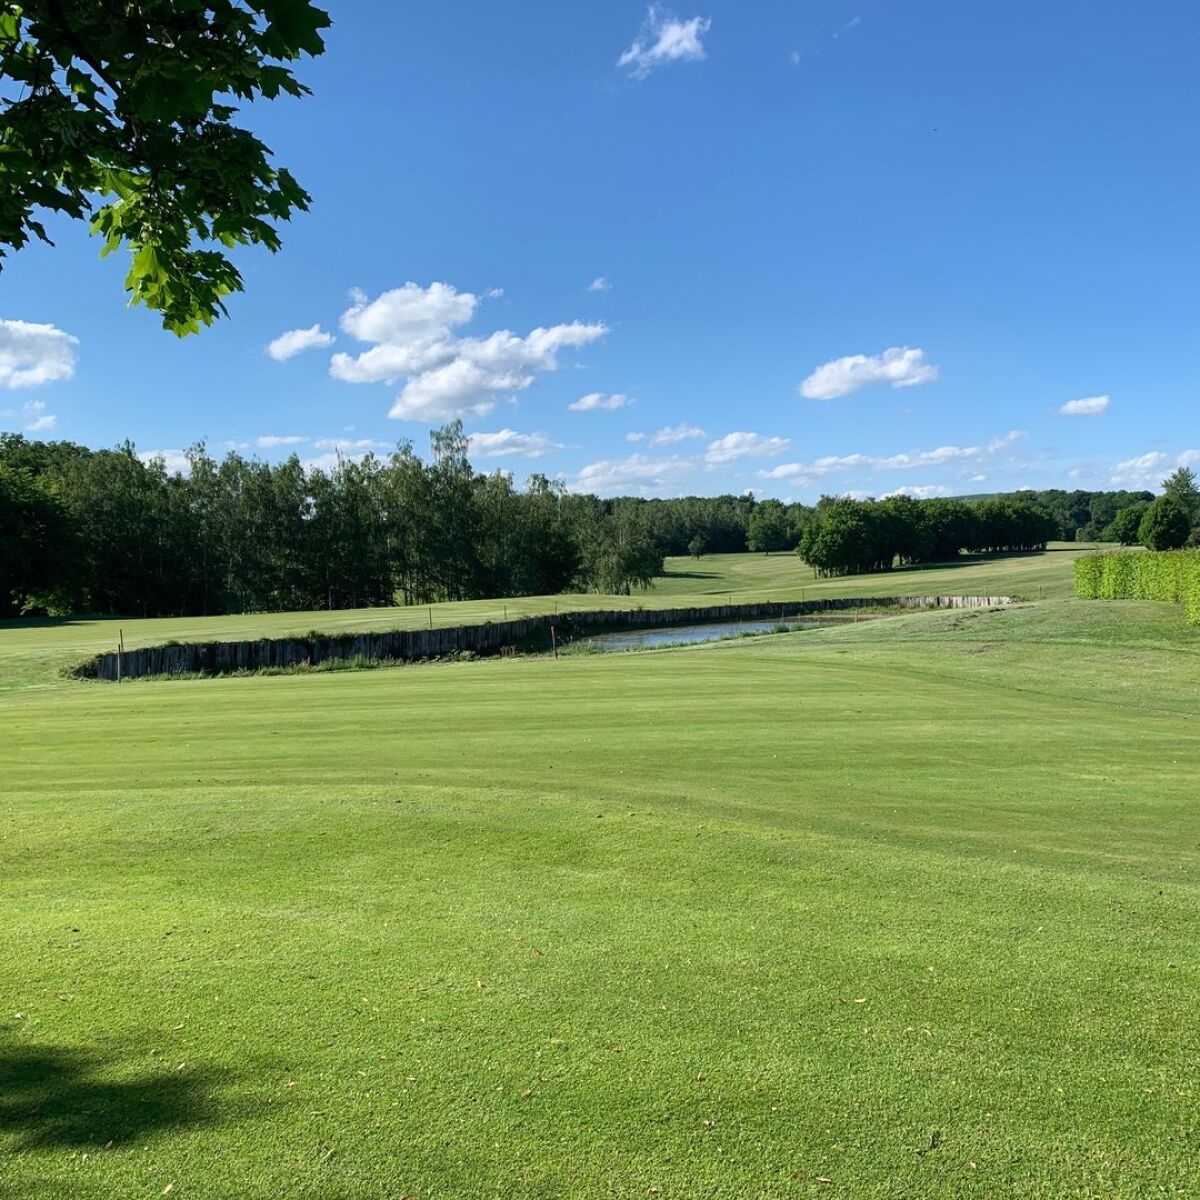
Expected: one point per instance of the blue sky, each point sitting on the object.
(793, 247)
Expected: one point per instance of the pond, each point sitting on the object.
(686, 635)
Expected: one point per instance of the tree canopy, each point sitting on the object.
(1125, 525)
(1165, 525)
(104, 532)
(123, 116)
(848, 537)
(769, 528)
(1079, 515)
(1181, 486)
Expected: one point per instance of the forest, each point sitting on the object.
(104, 532)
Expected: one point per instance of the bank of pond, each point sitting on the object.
(690, 635)
(605, 629)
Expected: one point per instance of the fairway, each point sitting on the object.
(900, 909)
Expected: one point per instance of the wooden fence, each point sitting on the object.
(411, 645)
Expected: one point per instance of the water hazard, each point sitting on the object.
(687, 635)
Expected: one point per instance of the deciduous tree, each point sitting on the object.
(1124, 526)
(1165, 525)
(122, 114)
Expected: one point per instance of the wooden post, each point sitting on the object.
(431, 618)
(554, 641)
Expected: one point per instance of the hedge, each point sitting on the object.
(1172, 576)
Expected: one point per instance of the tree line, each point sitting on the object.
(1079, 515)
(849, 537)
(101, 531)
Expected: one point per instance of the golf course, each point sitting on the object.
(901, 908)
(599, 601)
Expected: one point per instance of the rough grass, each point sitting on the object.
(899, 909)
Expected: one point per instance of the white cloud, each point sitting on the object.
(899, 366)
(35, 416)
(924, 491)
(330, 461)
(295, 341)
(409, 313)
(834, 464)
(598, 400)
(669, 435)
(946, 454)
(744, 445)
(794, 472)
(461, 388)
(446, 375)
(269, 441)
(348, 445)
(599, 284)
(1140, 471)
(665, 39)
(515, 445)
(389, 361)
(636, 474)
(412, 328)
(174, 461)
(1147, 470)
(31, 355)
(1089, 406)
(977, 479)
(853, 23)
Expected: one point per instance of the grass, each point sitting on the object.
(35, 653)
(906, 908)
(762, 576)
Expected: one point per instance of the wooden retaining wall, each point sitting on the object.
(410, 645)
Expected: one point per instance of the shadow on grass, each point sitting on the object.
(967, 560)
(53, 1098)
(41, 622)
(689, 575)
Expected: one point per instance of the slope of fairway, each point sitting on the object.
(33, 653)
(1037, 575)
(902, 909)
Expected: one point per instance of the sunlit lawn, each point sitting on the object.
(902, 909)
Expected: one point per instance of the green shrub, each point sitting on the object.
(1172, 577)
(1088, 573)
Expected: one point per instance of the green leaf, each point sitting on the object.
(296, 25)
